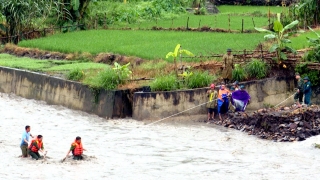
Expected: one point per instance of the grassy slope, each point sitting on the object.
(144, 44)
(46, 65)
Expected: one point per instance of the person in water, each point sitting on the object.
(76, 149)
(212, 104)
(36, 146)
(223, 101)
(24, 141)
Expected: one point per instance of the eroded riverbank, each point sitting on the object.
(128, 149)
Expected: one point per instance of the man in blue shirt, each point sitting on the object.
(24, 141)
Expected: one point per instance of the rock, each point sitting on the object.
(293, 126)
(231, 126)
(286, 108)
(300, 124)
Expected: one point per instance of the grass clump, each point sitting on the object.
(107, 79)
(256, 69)
(199, 79)
(75, 74)
(239, 73)
(165, 83)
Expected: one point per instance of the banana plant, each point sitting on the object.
(122, 71)
(281, 36)
(178, 51)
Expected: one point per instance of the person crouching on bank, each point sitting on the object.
(36, 146)
(76, 149)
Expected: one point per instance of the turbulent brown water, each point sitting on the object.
(128, 149)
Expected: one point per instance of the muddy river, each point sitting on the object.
(128, 149)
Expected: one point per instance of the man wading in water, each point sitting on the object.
(36, 146)
(24, 141)
(76, 149)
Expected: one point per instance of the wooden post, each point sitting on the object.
(188, 23)
(44, 32)
(199, 23)
(305, 20)
(261, 51)
(105, 20)
(95, 23)
(244, 55)
(172, 23)
(269, 19)
(215, 23)
(229, 22)
(254, 25)
(242, 26)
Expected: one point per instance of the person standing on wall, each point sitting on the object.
(24, 141)
(298, 97)
(227, 66)
(212, 104)
(36, 146)
(307, 91)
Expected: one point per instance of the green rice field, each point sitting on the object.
(144, 44)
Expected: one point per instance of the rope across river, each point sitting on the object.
(204, 104)
(179, 113)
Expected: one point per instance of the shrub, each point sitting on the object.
(107, 79)
(238, 73)
(312, 74)
(75, 74)
(256, 68)
(199, 79)
(164, 83)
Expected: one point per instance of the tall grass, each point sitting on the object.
(239, 73)
(256, 69)
(165, 83)
(199, 79)
(144, 44)
(106, 79)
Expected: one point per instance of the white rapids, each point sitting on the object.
(128, 149)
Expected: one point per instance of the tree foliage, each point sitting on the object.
(21, 15)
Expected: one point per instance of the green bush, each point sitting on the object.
(75, 74)
(239, 73)
(199, 79)
(256, 68)
(312, 74)
(107, 79)
(165, 83)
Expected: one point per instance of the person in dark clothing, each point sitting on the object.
(36, 146)
(307, 91)
(298, 97)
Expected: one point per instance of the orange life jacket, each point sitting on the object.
(78, 149)
(34, 148)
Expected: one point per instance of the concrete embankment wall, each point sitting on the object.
(107, 104)
(264, 93)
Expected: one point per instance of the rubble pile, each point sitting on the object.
(281, 124)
